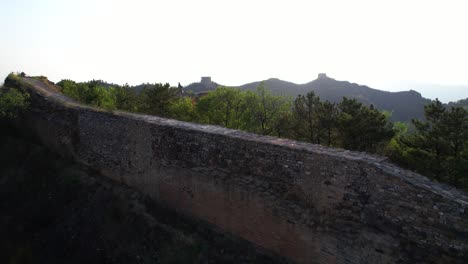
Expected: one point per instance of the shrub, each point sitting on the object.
(12, 102)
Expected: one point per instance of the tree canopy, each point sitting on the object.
(438, 148)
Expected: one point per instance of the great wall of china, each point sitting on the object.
(306, 202)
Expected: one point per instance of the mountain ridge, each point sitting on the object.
(404, 105)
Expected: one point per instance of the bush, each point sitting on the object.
(90, 93)
(12, 102)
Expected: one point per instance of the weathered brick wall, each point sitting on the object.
(309, 203)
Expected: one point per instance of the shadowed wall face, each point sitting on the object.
(308, 203)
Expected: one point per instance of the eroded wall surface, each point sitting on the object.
(306, 202)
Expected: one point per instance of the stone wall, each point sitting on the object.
(306, 202)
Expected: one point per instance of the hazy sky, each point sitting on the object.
(388, 45)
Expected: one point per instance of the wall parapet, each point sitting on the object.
(309, 203)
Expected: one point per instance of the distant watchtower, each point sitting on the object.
(322, 76)
(205, 80)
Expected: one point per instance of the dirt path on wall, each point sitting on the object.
(47, 89)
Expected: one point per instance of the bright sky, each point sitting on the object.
(383, 44)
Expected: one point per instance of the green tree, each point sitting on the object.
(223, 106)
(428, 145)
(327, 121)
(306, 116)
(362, 128)
(157, 98)
(263, 110)
(283, 125)
(126, 98)
(74, 90)
(92, 93)
(12, 102)
(103, 97)
(183, 109)
(439, 146)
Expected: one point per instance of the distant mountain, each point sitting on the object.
(403, 105)
(444, 92)
(460, 103)
(277, 87)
